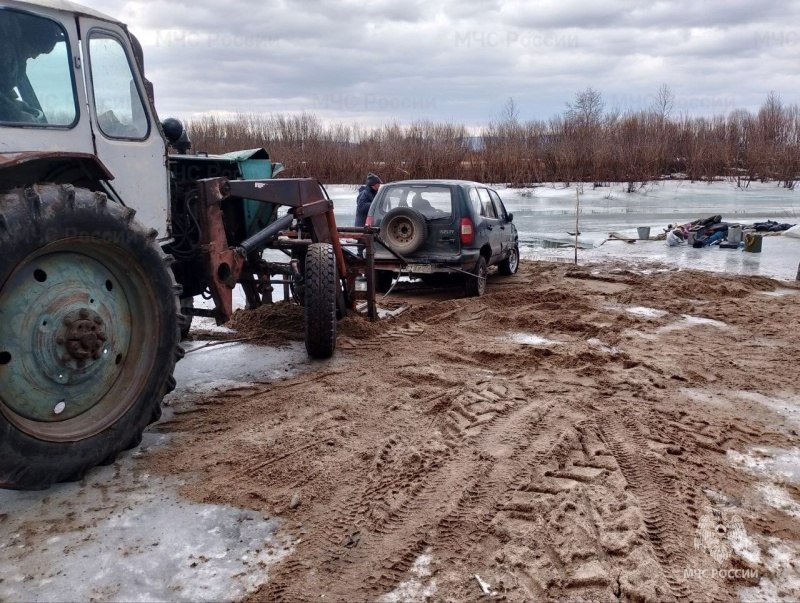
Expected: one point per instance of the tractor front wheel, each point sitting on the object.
(89, 333)
(321, 290)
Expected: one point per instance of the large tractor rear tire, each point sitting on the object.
(321, 287)
(89, 333)
(187, 315)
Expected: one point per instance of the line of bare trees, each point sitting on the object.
(587, 143)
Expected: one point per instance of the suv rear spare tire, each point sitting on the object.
(89, 336)
(404, 230)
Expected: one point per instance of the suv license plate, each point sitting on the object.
(421, 268)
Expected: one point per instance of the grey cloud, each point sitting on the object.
(460, 60)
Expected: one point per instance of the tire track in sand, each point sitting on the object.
(374, 536)
(663, 502)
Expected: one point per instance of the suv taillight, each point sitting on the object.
(467, 232)
(370, 221)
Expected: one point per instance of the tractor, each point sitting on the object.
(110, 227)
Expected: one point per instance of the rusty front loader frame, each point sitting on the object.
(310, 219)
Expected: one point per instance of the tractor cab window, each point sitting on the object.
(118, 104)
(36, 86)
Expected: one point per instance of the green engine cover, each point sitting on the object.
(250, 164)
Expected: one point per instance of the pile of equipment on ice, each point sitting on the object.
(728, 235)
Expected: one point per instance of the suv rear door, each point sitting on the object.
(442, 232)
(506, 230)
(440, 206)
(490, 224)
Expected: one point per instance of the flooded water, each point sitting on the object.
(544, 215)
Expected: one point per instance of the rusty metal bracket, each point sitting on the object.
(223, 265)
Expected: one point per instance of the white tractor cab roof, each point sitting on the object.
(62, 6)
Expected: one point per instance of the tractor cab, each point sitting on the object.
(74, 106)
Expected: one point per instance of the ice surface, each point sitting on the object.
(215, 365)
(543, 216)
(125, 535)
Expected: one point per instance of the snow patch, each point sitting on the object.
(687, 322)
(646, 312)
(419, 587)
(531, 339)
(782, 466)
(602, 347)
(780, 499)
(786, 406)
(783, 581)
(779, 292)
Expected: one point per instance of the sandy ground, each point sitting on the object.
(577, 433)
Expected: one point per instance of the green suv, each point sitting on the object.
(439, 227)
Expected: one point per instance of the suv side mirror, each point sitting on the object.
(510, 217)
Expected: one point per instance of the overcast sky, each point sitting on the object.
(378, 61)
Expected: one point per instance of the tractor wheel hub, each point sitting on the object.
(83, 334)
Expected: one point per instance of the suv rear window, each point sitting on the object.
(433, 202)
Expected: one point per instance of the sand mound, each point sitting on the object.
(270, 324)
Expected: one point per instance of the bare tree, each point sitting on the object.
(587, 144)
(664, 102)
(510, 113)
(770, 115)
(587, 109)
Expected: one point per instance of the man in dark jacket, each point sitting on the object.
(366, 194)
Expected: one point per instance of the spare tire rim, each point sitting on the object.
(79, 320)
(401, 231)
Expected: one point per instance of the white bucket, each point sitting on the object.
(735, 234)
(644, 233)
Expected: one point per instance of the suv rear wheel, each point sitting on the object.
(476, 284)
